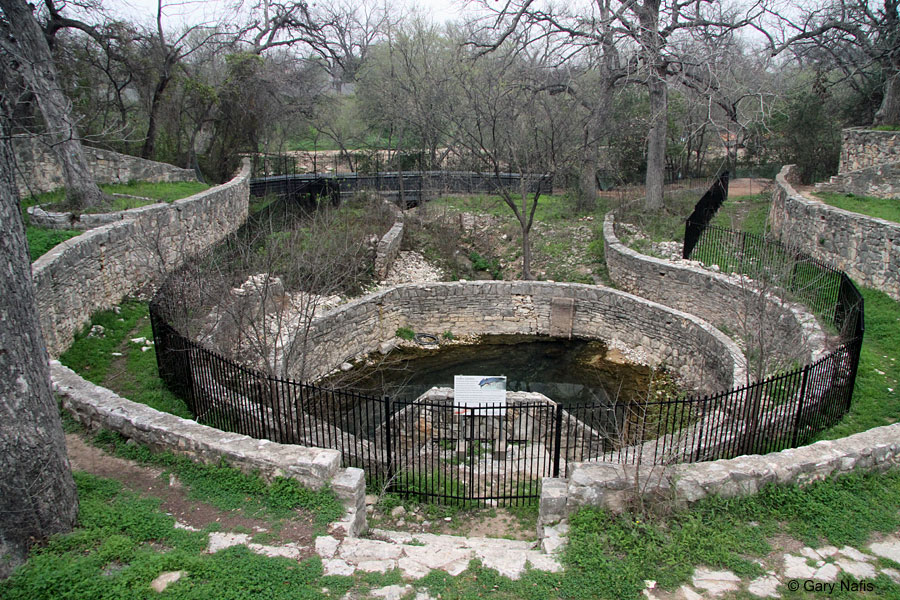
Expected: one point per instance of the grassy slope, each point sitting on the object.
(134, 374)
(41, 240)
(881, 208)
(123, 542)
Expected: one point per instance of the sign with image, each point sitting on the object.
(473, 391)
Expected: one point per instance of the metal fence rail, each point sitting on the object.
(431, 450)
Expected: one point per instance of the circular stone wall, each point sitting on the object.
(704, 358)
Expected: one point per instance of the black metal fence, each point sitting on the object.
(435, 451)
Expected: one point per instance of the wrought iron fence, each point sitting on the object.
(432, 450)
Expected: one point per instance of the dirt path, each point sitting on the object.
(175, 499)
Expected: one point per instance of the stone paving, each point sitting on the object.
(417, 554)
(812, 568)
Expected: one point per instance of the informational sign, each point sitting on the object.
(473, 391)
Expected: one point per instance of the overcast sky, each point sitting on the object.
(210, 11)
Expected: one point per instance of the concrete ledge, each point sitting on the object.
(615, 487)
(97, 407)
(866, 248)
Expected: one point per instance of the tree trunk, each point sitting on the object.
(889, 112)
(150, 140)
(35, 63)
(37, 492)
(656, 143)
(526, 253)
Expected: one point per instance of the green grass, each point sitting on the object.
(550, 208)
(148, 192)
(874, 404)
(123, 542)
(42, 240)
(744, 213)
(133, 375)
(881, 208)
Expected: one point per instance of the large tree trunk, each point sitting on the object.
(651, 48)
(889, 112)
(656, 143)
(35, 63)
(37, 492)
(150, 140)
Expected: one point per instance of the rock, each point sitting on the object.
(686, 593)
(795, 567)
(715, 583)
(765, 587)
(398, 511)
(889, 549)
(220, 541)
(371, 499)
(894, 574)
(139, 340)
(346, 367)
(859, 569)
(386, 347)
(336, 566)
(355, 550)
(391, 592)
(326, 546)
(828, 573)
(165, 580)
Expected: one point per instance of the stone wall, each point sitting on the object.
(866, 248)
(38, 170)
(706, 359)
(95, 270)
(96, 407)
(879, 181)
(613, 486)
(723, 300)
(862, 148)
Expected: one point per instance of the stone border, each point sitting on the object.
(866, 248)
(95, 270)
(39, 171)
(615, 486)
(50, 219)
(705, 357)
(716, 297)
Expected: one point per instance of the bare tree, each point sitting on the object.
(25, 50)
(860, 39)
(650, 27)
(37, 493)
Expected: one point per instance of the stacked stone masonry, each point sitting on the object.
(866, 248)
(706, 359)
(38, 168)
(716, 297)
(95, 270)
(870, 164)
(862, 148)
(613, 486)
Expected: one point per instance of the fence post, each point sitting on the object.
(389, 473)
(801, 396)
(557, 440)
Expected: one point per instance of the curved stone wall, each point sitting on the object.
(723, 300)
(705, 358)
(39, 171)
(866, 248)
(95, 270)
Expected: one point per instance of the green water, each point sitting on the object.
(567, 371)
